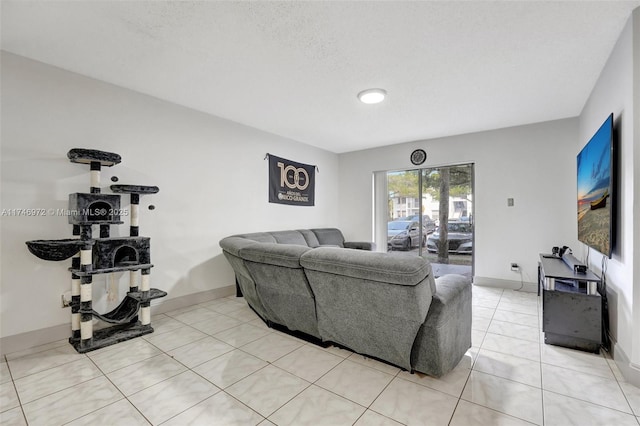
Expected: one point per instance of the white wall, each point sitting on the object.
(211, 174)
(635, 351)
(614, 92)
(534, 164)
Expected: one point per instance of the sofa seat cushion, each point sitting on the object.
(367, 265)
(287, 255)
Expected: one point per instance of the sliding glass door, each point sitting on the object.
(430, 213)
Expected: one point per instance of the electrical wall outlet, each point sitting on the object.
(515, 267)
(65, 299)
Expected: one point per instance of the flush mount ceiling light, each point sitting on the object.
(372, 96)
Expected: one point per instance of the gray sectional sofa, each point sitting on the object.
(381, 305)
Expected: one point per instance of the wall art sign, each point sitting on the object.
(291, 182)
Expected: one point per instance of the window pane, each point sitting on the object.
(429, 209)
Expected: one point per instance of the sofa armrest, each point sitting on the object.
(450, 289)
(445, 335)
(360, 245)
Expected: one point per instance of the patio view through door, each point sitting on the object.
(430, 214)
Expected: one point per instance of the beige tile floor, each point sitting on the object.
(216, 363)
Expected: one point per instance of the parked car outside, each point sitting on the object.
(404, 235)
(460, 238)
(428, 223)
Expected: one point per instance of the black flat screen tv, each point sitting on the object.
(596, 196)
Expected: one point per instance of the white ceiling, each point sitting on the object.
(294, 68)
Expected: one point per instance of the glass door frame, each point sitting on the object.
(382, 213)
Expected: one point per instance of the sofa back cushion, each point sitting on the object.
(329, 236)
(302, 237)
(287, 255)
(260, 237)
(289, 237)
(374, 266)
(235, 243)
(310, 237)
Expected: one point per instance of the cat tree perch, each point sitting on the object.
(92, 256)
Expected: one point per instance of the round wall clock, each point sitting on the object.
(418, 157)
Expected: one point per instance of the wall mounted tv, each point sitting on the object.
(596, 195)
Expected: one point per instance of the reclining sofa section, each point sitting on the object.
(377, 304)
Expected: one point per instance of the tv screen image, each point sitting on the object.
(595, 190)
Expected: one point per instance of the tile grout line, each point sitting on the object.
(220, 388)
(453, 413)
(163, 352)
(314, 383)
(503, 378)
(223, 389)
(624, 394)
(15, 389)
(106, 377)
(474, 360)
(592, 403)
(122, 393)
(368, 407)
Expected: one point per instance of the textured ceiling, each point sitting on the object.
(294, 68)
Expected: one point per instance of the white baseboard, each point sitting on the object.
(160, 306)
(629, 370)
(30, 339)
(506, 284)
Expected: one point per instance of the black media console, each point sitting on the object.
(571, 305)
